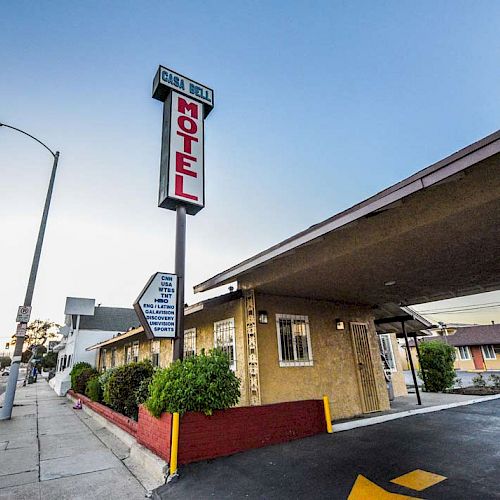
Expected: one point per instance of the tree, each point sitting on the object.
(49, 360)
(5, 361)
(39, 331)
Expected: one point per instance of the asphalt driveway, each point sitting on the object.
(458, 451)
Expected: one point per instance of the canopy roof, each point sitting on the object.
(432, 236)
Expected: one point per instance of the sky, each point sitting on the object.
(318, 106)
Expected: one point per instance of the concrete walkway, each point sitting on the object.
(48, 450)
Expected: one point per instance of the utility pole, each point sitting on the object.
(23, 323)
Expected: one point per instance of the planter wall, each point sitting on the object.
(225, 432)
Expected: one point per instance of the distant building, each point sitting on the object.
(86, 324)
(477, 347)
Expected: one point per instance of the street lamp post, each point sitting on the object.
(10, 391)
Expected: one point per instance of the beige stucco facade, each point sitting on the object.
(333, 370)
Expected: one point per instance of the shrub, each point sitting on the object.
(82, 378)
(120, 391)
(478, 381)
(199, 383)
(494, 380)
(5, 361)
(436, 360)
(93, 388)
(104, 378)
(75, 371)
(142, 392)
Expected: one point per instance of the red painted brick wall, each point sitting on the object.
(127, 424)
(238, 429)
(154, 433)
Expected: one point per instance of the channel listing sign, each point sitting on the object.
(156, 306)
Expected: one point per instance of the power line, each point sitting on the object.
(470, 307)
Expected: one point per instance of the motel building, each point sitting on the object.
(319, 313)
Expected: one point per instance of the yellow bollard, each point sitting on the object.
(174, 445)
(328, 417)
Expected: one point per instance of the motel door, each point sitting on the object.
(364, 363)
(477, 356)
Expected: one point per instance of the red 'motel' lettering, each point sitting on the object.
(181, 161)
(183, 107)
(184, 159)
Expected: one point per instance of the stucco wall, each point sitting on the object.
(398, 378)
(334, 370)
(204, 321)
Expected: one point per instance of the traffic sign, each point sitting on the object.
(21, 330)
(23, 314)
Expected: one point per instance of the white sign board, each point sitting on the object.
(21, 330)
(23, 314)
(182, 160)
(156, 306)
(166, 79)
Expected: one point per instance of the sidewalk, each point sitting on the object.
(48, 450)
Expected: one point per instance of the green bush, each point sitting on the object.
(436, 360)
(142, 392)
(478, 381)
(494, 380)
(75, 371)
(104, 378)
(199, 383)
(5, 361)
(82, 378)
(121, 388)
(93, 388)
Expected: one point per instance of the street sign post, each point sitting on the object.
(186, 104)
(156, 306)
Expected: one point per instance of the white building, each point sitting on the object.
(86, 325)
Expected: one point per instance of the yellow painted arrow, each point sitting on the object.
(364, 489)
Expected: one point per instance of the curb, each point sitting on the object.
(346, 426)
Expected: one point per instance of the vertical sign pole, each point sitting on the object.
(180, 265)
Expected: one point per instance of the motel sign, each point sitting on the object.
(182, 173)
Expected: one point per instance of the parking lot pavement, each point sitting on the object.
(451, 454)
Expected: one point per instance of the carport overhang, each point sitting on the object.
(432, 236)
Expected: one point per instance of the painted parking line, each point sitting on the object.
(418, 479)
(364, 489)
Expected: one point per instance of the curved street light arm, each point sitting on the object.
(29, 135)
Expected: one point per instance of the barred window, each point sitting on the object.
(488, 352)
(294, 340)
(103, 362)
(155, 352)
(113, 357)
(224, 339)
(190, 342)
(135, 351)
(387, 351)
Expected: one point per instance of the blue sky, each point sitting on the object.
(318, 105)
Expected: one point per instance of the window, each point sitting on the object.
(294, 340)
(155, 352)
(488, 352)
(103, 360)
(464, 353)
(224, 339)
(69, 360)
(387, 351)
(190, 342)
(135, 351)
(113, 357)
(128, 354)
